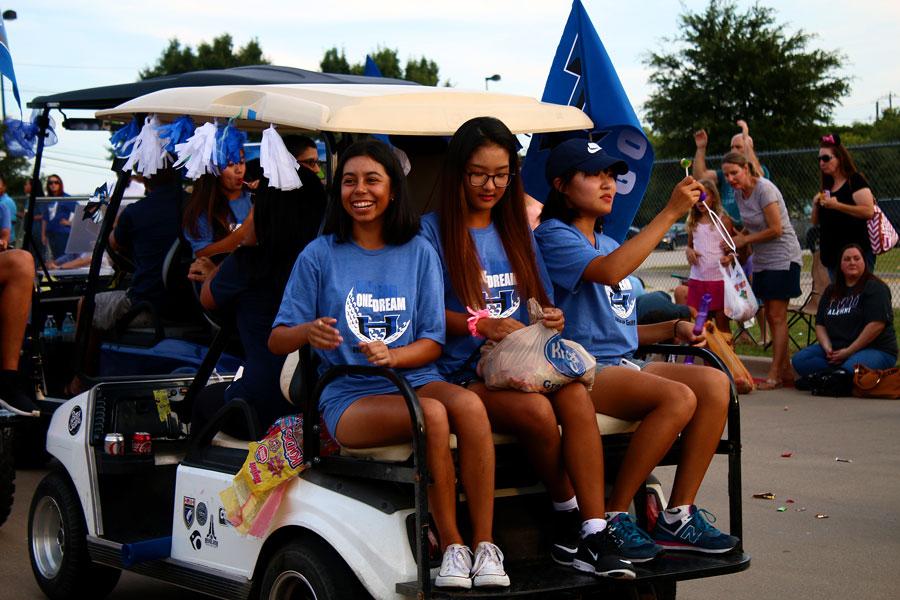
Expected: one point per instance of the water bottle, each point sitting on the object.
(68, 328)
(700, 321)
(50, 330)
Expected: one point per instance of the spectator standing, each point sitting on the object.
(776, 256)
(842, 206)
(57, 217)
(741, 143)
(10, 204)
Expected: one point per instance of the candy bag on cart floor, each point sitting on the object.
(535, 359)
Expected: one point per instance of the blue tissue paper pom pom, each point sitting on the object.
(123, 139)
(176, 132)
(229, 143)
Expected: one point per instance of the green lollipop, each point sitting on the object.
(686, 164)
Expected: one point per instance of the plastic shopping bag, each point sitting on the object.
(535, 359)
(740, 301)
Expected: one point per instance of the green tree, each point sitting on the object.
(218, 54)
(724, 65)
(421, 70)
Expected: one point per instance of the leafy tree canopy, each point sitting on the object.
(724, 65)
(218, 54)
(421, 70)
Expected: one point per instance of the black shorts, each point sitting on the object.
(777, 285)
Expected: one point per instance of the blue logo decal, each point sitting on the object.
(563, 357)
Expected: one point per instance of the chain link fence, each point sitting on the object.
(796, 173)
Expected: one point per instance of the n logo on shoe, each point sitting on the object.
(691, 534)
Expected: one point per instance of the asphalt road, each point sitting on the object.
(851, 554)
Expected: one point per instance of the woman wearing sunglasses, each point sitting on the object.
(842, 206)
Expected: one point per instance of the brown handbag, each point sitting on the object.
(876, 383)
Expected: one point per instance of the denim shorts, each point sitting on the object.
(618, 363)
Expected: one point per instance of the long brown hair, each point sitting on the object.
(847, 166)
(508, 216)
(713, 200)
(207, 202)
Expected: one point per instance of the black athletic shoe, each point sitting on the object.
(597, 555)
(565, 536)
(13, 398)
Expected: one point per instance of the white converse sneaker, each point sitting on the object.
(456, 568)
(488, 569)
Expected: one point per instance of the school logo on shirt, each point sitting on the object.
(506, 302)
(844, 306)
(621, 299)
(384, 326)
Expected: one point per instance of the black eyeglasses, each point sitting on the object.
(501, 180)
(825, 158)
(312, 163)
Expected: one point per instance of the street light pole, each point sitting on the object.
(494, 77)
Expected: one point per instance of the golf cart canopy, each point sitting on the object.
(110, 96)
(353, 108)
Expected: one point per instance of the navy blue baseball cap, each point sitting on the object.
(581, 155)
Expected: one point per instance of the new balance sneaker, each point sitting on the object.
(693, 533)
(632, 542)
(488, 569)
(565, 535)
(597, 555)
(456, 568)
(14, 398)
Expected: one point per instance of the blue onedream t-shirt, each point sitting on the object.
(6, 221)
(10, 204)
(461, 353)
(393, 294)
(601, 318)
(239, 209)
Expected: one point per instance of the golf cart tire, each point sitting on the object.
(309, 568)
(57, 544)
(7, 473)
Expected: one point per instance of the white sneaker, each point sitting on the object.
(456, 568)
(488, 569)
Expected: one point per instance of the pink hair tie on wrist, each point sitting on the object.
(472, 321)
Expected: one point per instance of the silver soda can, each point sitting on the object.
(114, 444)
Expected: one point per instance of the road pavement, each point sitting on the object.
(851, 554)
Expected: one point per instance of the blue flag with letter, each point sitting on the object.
(582, 75)
(6, 64)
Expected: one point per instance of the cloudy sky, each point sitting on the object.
(58, 46)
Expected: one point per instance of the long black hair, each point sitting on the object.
(557, 207)
(400, 223)
(285, 222)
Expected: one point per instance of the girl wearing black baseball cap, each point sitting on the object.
(590, 279)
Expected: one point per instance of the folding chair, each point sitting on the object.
(805, 312)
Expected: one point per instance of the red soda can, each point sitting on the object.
(140, 443)
(114, 444)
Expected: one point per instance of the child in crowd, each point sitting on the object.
(705, 252)
(491, 268)
(589, 272)
(369, 291)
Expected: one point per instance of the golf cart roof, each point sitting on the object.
(353, 108)
(112, 95)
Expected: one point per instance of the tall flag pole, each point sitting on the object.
(6, 66)
(582, 75)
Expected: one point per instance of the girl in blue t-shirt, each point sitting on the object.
(219, 213)
(589, 272)
(369, 291)
(491, 269)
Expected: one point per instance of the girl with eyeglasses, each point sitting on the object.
(491, 267)
(842, 206)
(56, 220)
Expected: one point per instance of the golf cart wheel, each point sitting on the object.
(7, 473)
(57, 544)
(309, 569)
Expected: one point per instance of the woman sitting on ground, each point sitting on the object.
(219, 212)
(251, 282)
(854, 323)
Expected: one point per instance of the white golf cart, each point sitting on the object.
(351, 525)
